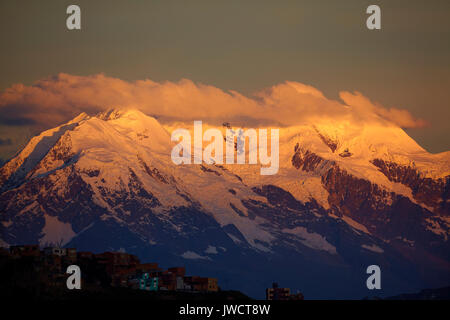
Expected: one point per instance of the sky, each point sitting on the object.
(230, 49)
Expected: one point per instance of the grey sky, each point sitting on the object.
(244, 46)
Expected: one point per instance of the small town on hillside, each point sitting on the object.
(118, 269)
(115, 269)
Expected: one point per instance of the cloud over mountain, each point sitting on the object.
(56, 99)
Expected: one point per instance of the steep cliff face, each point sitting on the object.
(348, 194)
(431, 192)
(310, 162)
(384, 213)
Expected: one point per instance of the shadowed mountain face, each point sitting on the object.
(340, 202)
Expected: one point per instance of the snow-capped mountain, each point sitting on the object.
(346, 196)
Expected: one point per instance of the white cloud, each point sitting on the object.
(54, 100)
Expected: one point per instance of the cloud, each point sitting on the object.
(400, 117)
(56, 99)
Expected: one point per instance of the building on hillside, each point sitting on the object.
(25, 251)
(117, 258)
(148, 268)
(180, 286)
(296, 296)
(52, 263)
(213, 285)
(121, 277)
(85, 259)
(55, 251)
(276, 293)
(119, 266)
(178, 271)
(201, 284)
(145, 282)
(85, 256)
(190, 283)
(71, 255)
(115, 262)
(167, 281)
(171, 279)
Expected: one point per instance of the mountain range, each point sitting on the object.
(346, 196)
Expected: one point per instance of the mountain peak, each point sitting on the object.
(117, 113)
(82, 116)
